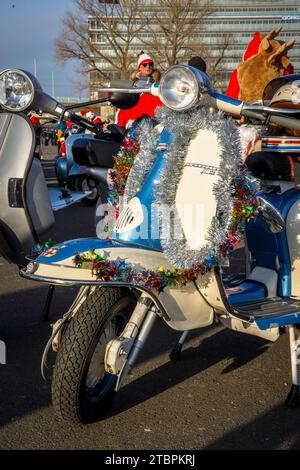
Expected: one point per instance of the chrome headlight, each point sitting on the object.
(16, 90)
(181, 87)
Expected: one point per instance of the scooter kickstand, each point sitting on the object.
(292, 400)
(46, 310)
(175, 354)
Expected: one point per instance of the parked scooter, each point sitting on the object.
(76, 171)
(70, 175)
(85, 157)
(133, 280)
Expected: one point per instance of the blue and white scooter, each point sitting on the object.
(99, 338)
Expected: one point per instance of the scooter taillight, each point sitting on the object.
(62, 150)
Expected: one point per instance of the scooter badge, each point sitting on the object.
(50, 252)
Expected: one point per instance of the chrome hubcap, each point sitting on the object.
(96, 370)
(87, 188)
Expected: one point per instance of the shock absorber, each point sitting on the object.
(121, 353)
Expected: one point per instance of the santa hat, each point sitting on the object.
(87, 113)
(143, 58)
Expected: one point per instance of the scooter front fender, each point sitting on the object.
(77, 170)
(183, 308)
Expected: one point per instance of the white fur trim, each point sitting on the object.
(248, 136)
(144, 57)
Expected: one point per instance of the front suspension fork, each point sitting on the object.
(121, 353)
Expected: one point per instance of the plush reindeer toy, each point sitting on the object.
(265, 58)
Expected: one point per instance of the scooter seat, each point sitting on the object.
(245, 291)
(272, 165)
(95, 152)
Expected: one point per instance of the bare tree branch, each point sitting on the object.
(105, 36)
(175, 30)
(216, 57)
(118, 26)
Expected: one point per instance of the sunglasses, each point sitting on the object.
(149, 64)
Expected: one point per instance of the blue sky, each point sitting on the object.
(28, 29)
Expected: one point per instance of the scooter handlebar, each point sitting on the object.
(284, 117)
(225, 103)
(82, 121)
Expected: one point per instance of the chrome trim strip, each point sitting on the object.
(76, 282)
(135, 244)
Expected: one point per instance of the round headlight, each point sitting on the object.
(16, 90)
(181, 86)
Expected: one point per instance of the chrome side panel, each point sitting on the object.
(22, 216)
(38, 200)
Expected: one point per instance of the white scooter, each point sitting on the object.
(164, 263)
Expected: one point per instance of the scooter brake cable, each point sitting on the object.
(65, 317)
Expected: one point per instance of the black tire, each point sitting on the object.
(104, 213)
(82, 184)
(73, 400)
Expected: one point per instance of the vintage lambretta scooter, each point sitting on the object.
(133, 280)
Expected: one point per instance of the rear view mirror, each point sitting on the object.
(270, 215)
(120, 99)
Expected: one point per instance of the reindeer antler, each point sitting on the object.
(265, 42)
(281, 50)
(273, 33)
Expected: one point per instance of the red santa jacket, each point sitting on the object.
(147, 104)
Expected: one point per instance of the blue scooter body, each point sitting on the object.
(66, 168)
(268, 251)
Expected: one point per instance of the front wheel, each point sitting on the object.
(81, 388)
(88, 186)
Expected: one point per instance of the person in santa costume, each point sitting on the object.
(91, 116)
(233, 89)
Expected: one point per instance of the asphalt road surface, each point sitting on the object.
(227, 392)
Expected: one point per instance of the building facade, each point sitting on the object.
(233, 22)
(240, 19)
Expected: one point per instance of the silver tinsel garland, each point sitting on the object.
(147, 138)
(183, 126)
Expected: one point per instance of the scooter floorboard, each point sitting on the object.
(270, 313)
(60, 199)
